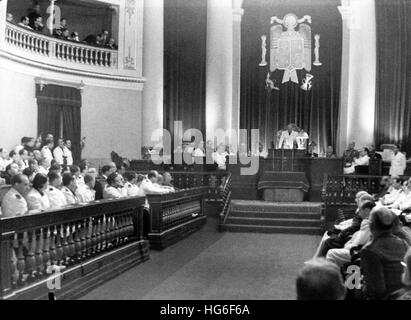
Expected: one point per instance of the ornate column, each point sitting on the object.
(357, 106)
(3, 14)
(153, 69)
(238, 12)
(219, 66)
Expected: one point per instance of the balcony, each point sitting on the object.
(25, 42)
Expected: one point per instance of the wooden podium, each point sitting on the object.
(284, 184)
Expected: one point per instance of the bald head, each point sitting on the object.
(320, 279)
(382, 220)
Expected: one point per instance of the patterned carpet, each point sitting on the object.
(212, 265)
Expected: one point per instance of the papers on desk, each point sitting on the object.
(396, 211)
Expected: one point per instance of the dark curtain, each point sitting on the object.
(185, 26)
(316, 110)
(56, 103)
(393, 94)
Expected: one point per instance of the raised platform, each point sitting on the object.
(274, 217)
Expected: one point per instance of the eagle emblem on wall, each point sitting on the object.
(290, 49)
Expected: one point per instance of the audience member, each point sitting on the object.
(86, 192)
(341, 256)
(9, 17)
(69, 188)
(398, 162)
(350, 154)
(381, 258)
(30, 174)
(36, 199)
(362, 160)
(11, 170)
(131, 184)
(320, 279)
(373, 154)
(405, 292)
(115, 187)
(14, 202)
(46, 150)
(150, 184)
(75, 171)
(44, 166)
(58, 152)
(24, 22)
(4, 159)
(53, 192)
(67, 152)
(219, 157)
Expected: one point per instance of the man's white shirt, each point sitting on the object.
(56, 197)
(288, 139)
(398, 164)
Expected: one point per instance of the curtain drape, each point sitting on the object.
(393, 94)
(185, 26)
(316, 110)
(59, 111)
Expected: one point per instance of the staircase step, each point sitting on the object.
(273, 221)
(271, 229)
(274, 207)
(279, 215)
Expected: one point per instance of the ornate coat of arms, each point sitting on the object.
(290, 49)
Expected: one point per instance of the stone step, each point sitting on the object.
(271, 229)
(275, 215)
(274, 222)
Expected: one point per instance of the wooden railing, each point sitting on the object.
(341, 189)
(49, 47)
(175, 215)
(33, 245)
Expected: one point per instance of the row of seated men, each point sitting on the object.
(376, 238)
(60, 188)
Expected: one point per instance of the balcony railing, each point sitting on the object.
(68, 51)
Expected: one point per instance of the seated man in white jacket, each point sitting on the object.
(131, 184)
(53, 192)
(115, 187)
(150, 186)
(393, 193)
(359, 238)
(37, 199)
(86, 192)
(69, 188)
(362, 160)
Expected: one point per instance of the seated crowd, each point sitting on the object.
(354, 158)
(34, 21)
(38, 176)
(377, 239)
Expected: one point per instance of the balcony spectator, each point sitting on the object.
(74, 36)
(24, 22)
(14, 203)
(104, 37)
(65, 34)
(9, 17)
(112, 44)
(33, 13)
(38, 25)
(58, 32)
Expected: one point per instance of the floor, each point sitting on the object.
(211, 265)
